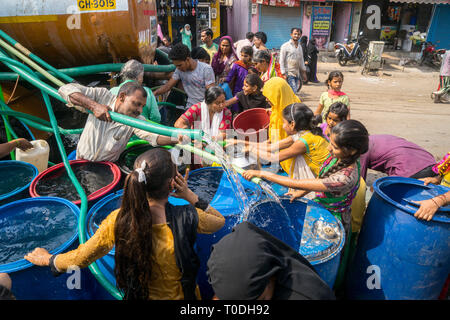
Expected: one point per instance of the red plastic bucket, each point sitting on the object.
(252, 124)
(58, 170)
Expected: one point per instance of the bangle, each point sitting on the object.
(438, 206)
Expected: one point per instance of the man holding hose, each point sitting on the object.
(103, 139)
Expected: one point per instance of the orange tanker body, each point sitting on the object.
(69, 33)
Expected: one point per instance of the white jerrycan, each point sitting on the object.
(38, 155)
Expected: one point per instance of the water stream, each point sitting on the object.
(232, 176)
(238, 188)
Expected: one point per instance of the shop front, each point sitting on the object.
(401, 24)
(322, 20)
(199, 14)
(276, 18)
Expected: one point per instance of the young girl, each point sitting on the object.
(334, 94)
(305, 144)
(339, 176)
(338, 181)
(154, 240)
(338, 112)
(251, 95)
(239, 71)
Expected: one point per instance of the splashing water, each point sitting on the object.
(268, 190)
(232, 176)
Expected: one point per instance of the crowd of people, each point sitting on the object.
(324, 152)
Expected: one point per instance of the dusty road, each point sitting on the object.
(397, 102)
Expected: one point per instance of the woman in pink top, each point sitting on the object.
(396, 156)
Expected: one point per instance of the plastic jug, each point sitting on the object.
(38, 155)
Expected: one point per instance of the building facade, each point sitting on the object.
(326, 21)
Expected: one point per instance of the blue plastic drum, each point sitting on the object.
(210, 184)
(320, 239)
(308, 228)
(16, 177)
(399, 257)
(49, 223)
(94, 218)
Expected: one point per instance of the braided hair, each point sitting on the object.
(349, 135)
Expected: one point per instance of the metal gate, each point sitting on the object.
(277, 22)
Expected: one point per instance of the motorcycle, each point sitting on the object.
(349, 51)
(430, 55)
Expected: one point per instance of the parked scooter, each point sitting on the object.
(430, 55)
(349, 51)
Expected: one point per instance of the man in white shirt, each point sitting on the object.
(103, 139)
(292, 64)
(248, 41)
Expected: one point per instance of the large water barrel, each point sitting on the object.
(97, 179)
(304, 227)
(210, 184)
(308, 228)
(49, 223)
(15, 177)
(69, 33)
(399, 257)
(94, 218)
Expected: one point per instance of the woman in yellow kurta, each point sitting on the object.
(153, 240)
(279, 94)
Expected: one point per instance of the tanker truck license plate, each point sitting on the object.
(85, 5)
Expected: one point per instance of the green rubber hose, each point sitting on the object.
(34, 57)
(213, 158)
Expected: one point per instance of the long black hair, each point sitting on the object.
(349, 135)
(303, 117)
(133, 226)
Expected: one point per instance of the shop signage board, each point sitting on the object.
(321, 25)
(278, 3)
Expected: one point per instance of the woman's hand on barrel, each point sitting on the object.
(433, 180)
(39, 257)
(426, 210)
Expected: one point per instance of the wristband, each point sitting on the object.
(53, 269)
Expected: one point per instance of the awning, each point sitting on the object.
(423, 1)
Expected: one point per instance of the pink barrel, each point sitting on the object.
(252, 124)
